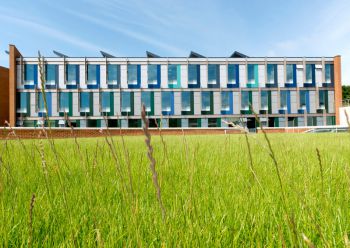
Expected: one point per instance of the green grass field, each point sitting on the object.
(213, 194)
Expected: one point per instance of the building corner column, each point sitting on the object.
(337, 88)
(14, 54)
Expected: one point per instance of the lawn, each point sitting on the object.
(100, 192)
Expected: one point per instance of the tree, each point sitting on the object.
(346, 92)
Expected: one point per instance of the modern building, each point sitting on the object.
(193, 91)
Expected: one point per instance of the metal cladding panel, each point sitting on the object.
(19, 77)
(164, 123)
(61, 77)
(320, 121)
(318, 77)
(331, 102)
(293, 102)
(82, 78)
(236, 102)
(274, 102)
(75, 103)
(312, 101)
(82, 123)
(137, 103)
(280, 75)
(124, 123)
(255, 101)
(204, 76)
(33, 106)
(164, 76)
(261, 72)
(144, 77)
(243, 76)
(300, 77)
(184, 78)
(103, 76)
(96, 104)
(197, 102)
(282, 122)
(204, 122)
(223, 76)
(54, 104)
(177, 103)
(157, 103)
(184, 122)
(123, 76)
(116, 96)
(301, 122)
(217, 102)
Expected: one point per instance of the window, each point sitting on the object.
(283, 99)
(126, 102)
(167, 102)
(93, 74)
(290, 73)
(113, 74)
(304, 100)
(323, 99)
(41, 103)
(146, 99)
(51, 74)
(22, 106)
(105, 101)
(193, 75)
(245, 100)
(30, 74)
(329, 73)
(72, 72)
(264, 100)
(310, 73)
(252, 69)
(213, 74)
(85, 102)
(133, 74)
(173, 74)
(186, 101)
(153, 72)
(233, 77)
(226, 101)
(64, 102)
(271, 74)
(207, 100)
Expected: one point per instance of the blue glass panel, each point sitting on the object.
(85, 102)
(64, 102)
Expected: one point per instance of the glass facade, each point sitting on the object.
(93, 73)
(64, 102)
(213, 74)
(152, 72)
(329, 73)
(310, 73)
(51, 74)
(252, 71)
(85, 102)
(207, 99)
(113, 74)
(226, 101)
(41, 103)
(245, 100)
(233, 75)
(105, 101)
(126, 102)
(72, 74)
(186, 101)
(167, 102)
(264, 100)
(22, 102)
(173, 74)
(290, 73)
(30, 74)
(193, 74)
(146, 99)
(271, 74)
(133, 74)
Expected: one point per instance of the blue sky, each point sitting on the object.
(174, 28)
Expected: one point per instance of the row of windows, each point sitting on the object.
(188, 122)
(174, 75)
(106, 102)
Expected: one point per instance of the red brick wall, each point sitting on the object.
(337, 88)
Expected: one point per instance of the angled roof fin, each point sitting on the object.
(195, 55)
(60, 54)
(238, 55)
(151, 55)
(7, 52)
(106, 55)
